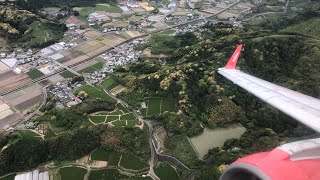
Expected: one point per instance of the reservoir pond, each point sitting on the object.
(211, 138)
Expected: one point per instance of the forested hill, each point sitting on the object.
(34, 5)
(24, 29)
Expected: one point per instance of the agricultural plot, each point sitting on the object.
(109, 174)
(129, 117)
(168, 104)
(95, 67)
(34, 74)
(95, 92)
(68, 173)
(131, 123)
(115, 112)
(157, 105)
(97, 119)
(110, 83)
(114, 158)
(122, 108)
(100, 155)
(112, 118)
(154, 105)
(119, 123)
(167, 172)
(67, 74)
(10, 79)
(130, 162)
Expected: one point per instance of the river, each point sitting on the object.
(211, 138)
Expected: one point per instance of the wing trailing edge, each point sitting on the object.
(303, 108)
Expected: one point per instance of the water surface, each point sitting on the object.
(211, 138)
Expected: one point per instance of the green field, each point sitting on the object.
(97, 119)
(95, 92)
(119, 123)
(114, 158)
(112, 118)
(168, 104)
(154, 106)
(9, 177)
(122, 108)
(75, 173)
(110, 83)
(157, 105)
(95, 67)
(115, 113)
(27, 134)
(67, 74)
(130, 162)
(100, 155)
(129, 116)
(34, 74)
(108, 174)
(166, 172)
(131, 123)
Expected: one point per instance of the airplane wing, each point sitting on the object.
(303, 108)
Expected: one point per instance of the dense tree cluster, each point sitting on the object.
(127, 140)
(27, 153)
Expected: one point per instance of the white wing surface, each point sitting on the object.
(301, 107)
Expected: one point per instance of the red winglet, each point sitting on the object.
(234, 58)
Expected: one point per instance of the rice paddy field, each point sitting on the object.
(97, 119)
(167, 172)
(34, 74)
(129, 117)
(130, 162)
(112, 174)
(112, 157)
(74, 173)
(100, 155)
(111, 118)
(158, 105)
(119, 123)
(67, 74)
